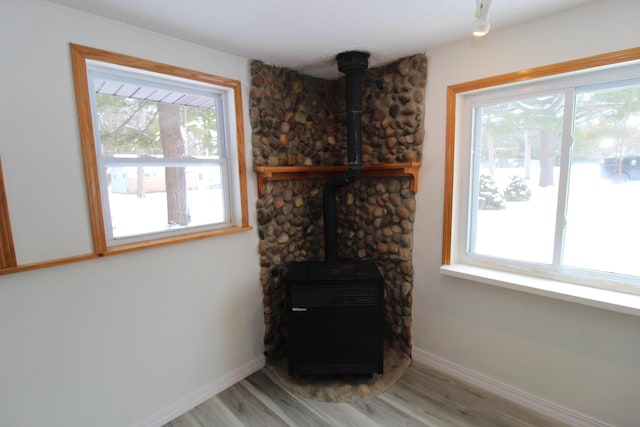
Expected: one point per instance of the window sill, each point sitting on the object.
(593, 297)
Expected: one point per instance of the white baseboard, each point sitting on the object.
(520, 397)
(203, 394)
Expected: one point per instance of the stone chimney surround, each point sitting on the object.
(299, 140)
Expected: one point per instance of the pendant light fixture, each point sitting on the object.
(482, 24)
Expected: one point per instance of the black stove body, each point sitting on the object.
(335, 318)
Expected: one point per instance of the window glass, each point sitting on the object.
(604, 192)
(517, 150)
(138, 201)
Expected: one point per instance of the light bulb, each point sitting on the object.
(481, 27)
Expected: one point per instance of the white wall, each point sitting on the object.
(111, 341)
(582, 358)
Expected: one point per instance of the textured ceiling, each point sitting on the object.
(306, 35)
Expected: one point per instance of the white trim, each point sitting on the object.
(505, 391)
(203, 394)
(586, 295)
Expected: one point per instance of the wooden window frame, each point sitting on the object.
(79, 56)
(7, 250)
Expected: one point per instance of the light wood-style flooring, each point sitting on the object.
(422, 397)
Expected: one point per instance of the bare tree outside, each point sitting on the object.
(524, 129)
(173, 146)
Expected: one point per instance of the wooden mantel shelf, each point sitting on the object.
(283, 173)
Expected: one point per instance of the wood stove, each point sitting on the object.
(335, 308)
(335, 318)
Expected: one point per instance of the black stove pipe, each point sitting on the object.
(353, 64)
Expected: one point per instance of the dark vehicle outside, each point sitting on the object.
(620, 168)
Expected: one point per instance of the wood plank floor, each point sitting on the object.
(422, 397)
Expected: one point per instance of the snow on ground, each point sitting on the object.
(132, 215)
(601, 228)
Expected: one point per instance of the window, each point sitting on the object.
(549, 173)
(163, 150)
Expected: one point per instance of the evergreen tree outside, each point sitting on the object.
(489, 195)
(518, 190)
